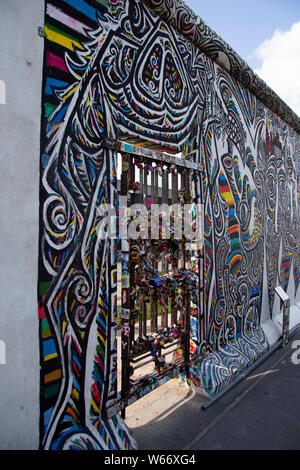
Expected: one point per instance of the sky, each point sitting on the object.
(266, 34)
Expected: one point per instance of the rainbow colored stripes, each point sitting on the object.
(235, 255)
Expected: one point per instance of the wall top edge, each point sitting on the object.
(182, 18)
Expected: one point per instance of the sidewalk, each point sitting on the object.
(260, 413)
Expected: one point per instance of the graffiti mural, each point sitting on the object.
(132, 70)
(77, 290)
(252, 210)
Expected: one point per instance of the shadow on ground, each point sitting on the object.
(162, 419)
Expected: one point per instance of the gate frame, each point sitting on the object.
(176, 366)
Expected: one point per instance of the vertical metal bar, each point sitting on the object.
(145, 183)
(186, 192)
(141, 201)
(140, 320)
(168, 306)
(187, 337)
(152, 329)
(155, 312)
(198, 200)
(145, 194)
(152, 186)
(164, 188)
(132, 200)
(174, 188)
(173, 310)
(155, 188)
(187, 299)
(145, 201)
(153, 305)
(142, 190)
(174, 201)
(201, 299)
(165, 308)
(144, 313)
(125, 301)
(155, 200)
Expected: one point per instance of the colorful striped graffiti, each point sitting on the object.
(252, 212)
(133, 70)
(77, 290)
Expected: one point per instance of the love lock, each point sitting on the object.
(138, 165)
(162, 360)
(173, 169)
(135, 253)
(125, 165)
(181, 195)
(134, 187)
(135, 313)
(175, 333)
(135, 292)
(166, 333)
(139, 343)
(155, 282)
(150, 339)
(160, 363)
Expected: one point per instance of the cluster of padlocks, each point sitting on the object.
(160, 276)
(172, 292)
(173, 286)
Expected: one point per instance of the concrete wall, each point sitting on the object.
(148, 77)
(21, 54)
(58, 371)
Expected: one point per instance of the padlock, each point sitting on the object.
(135, 253)
(155, 282)
(173, 169)
(140, 343)
(125, 166)
(135, 313)
(162, 359)
(134, 187)
(138, 164)
(160, 171)
(175, 333)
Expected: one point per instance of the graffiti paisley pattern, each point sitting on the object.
(160, 76)
(182, 18)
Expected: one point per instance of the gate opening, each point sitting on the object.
(160, 295)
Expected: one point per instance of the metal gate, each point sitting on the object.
(162, 269)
